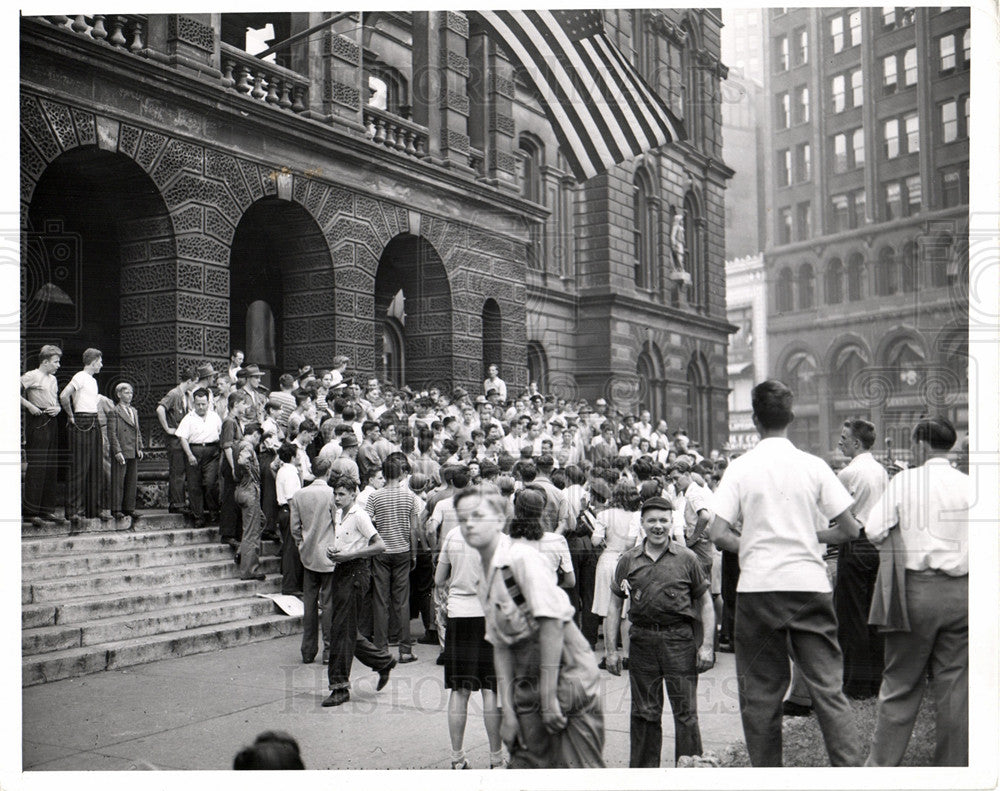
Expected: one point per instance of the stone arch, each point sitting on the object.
(492, 335)
(847, 356)
(650, 370)
(538, 365)
(699, 403)
(411, 265)
(280, 257)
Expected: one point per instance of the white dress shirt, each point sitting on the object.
(865, 480)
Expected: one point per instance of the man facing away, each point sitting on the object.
(786, 498)
(927, 506)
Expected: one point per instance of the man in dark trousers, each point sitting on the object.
(668, 592)
(170, 412)
(40, 401)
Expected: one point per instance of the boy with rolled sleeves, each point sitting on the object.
(40, 401)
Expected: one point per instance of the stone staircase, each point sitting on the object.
(104, 598)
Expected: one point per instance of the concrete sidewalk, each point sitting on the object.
(196, 712)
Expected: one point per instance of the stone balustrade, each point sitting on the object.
(396, 133)
(263, 81)
(121, 31)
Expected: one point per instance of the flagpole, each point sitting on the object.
(305, 33)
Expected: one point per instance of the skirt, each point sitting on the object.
(603, 577)
(468, 658)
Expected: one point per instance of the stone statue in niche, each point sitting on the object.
(677, 239)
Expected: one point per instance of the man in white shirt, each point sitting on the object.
(86, 496)
(198, 433)
(494, 382)
(928, 505)
(40, 401)
(286, 484)
(857, 564)
(786, 498)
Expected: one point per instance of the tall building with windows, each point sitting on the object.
(866, 170)
(385, 187)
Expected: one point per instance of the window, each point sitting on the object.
(803, 219)
(785, 292)
(781, 53)
(784, 225)
(801, 104)
(913, 195)
(889, 17)
(803, 165)
(967, 47)
(911, 125)
(908, 268)
(857, 95)
(910, 67)
(837, 33)
(783, 107)
(855, 277)
(885, 273)
(890, 138)
(529, 172)
(898, 17)
(806, 286)
(840, 162)
(954, 116)
(857, 208)
(838, 93)
(833, 282)
(839, 213)
(784, 168)
(889, 74)
(893, 200)
(946, 51)
(801, 46)
(800, 376)
(954, 186)
(845, 30)
(858, 147)
(854, 27)
(848, 366)
(644, 223)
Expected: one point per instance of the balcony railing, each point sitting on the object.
(263, 81)
(120, 31)
(395, 133)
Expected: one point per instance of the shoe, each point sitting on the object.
(118, 515)
(337, 697)
(393, 643)
(200, 523)
(308, 661)
(175, 510)
(270, 537)
(236, 558)
(440, 660)
(463, 764)
(790, 709)
(326, 656)
(501, 765)
(602, 665)
(257, 577)
(406, 659)
(383, 675)
(36, 521)
(233, 543)
(624, 663)
(429, 638)
(134, 517)
(105, 515)
(51, 516)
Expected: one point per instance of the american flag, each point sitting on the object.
(601, 109)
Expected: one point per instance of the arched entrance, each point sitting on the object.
(281, 289)
(413, 314)
(648, 368)
(99, 269)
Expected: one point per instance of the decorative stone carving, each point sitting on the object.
(37, 127)
(62, 124)
(190, 31)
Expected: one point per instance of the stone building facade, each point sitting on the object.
(370, 193)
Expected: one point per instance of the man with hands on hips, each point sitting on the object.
(668, 592)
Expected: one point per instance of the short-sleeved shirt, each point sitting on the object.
(200, 431)
(286, 482)
(697, 498)
(231, 433)
(175, 406)
(465, 574)
(353, 531)
(555, 550)
(865, 480)
(784, 496)
(84, 397)
(40, 389)
(659, 590)
(390, 508)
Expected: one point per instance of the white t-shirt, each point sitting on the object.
(465, 572)
(286, 482)
(84, 397)
(200, 430)
(865, 480)
(555, 550)
(784, 496)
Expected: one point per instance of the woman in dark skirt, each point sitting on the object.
(468, 657)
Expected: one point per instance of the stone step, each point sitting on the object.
(196, 573)
(69, 567)
(90, 608)
(70, 662)
(151, 520)
(127, 627)
(35, 548)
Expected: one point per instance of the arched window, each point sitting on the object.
(855, 277)
(691, 91)
(937, 251)
(387, 89)
(806, 286)
(647, 368)
(785, 301)
(698, 401)
(644, 233)
(800, 375)
(538, 366)
(847, 366)
(393, 352)
(256, 32)
(885, 273)
(833, 282)
(492, 335)
(529, 154)
(906, 362)
(954, 352)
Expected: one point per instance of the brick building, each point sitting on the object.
(866, 172)
(386, 188)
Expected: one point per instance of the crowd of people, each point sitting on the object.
(517, 527)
